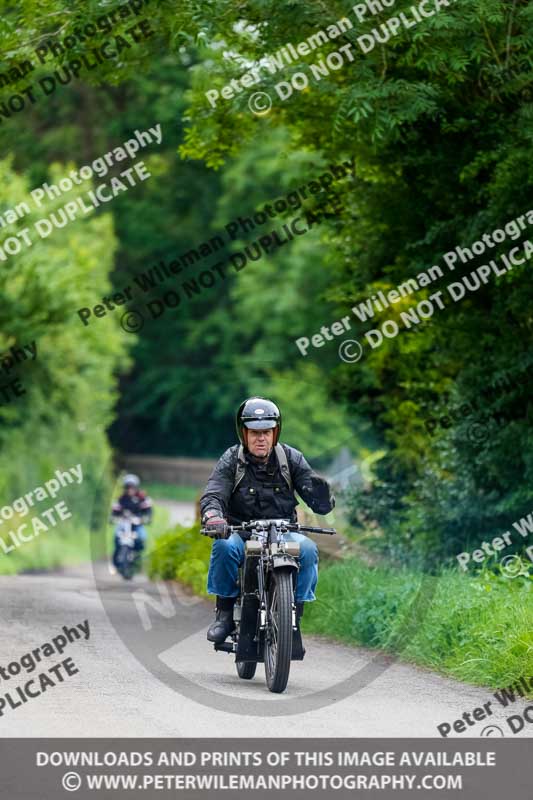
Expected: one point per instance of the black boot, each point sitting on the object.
(299, 613)
(223, 625)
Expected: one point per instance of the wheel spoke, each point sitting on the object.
(272, 632)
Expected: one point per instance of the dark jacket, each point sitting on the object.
(263, 493)
(139, 504)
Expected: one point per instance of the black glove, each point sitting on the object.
(216, 528)
(318, 488)
(319, 492)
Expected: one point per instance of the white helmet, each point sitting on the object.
(131, 480)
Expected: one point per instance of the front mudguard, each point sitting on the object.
(284, 561)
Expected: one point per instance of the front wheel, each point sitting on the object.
(126, 562)
(246, 669)
(278, 636)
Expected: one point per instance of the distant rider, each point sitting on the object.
(257, 480)
(135, 503)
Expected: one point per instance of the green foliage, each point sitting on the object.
(440, 123)
(181, 554)
(310, 423)
(70, 387)
(236, 338)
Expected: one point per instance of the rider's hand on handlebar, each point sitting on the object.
(216, 528)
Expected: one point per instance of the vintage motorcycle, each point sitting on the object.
(265, 611)
(128, 557)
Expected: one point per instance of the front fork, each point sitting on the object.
(262, 596)
(294, 624)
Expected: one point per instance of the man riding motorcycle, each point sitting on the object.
(256, 480)
(134, 502)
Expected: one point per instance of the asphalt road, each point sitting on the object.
(122, 687)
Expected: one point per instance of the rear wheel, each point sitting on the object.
(278, 636)
(246, 669)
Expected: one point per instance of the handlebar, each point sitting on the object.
(127, 515)
(283, 524)
(311, 529)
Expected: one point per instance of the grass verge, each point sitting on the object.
(168, 491)
(474, 628)
(58, 547)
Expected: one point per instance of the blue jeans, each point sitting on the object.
(228, 554)
(140, 541)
